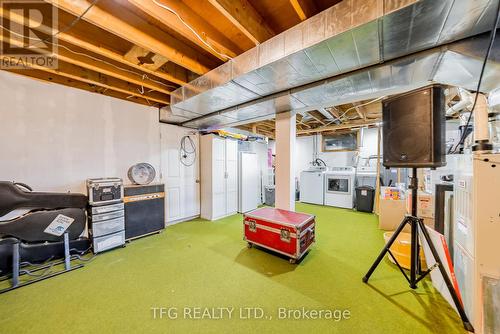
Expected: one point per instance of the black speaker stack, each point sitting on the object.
(414, 137)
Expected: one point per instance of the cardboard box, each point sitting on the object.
(425, 204)
(391, 214)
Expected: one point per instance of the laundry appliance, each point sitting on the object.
(366, 176)
(312, 185)
(339, 187)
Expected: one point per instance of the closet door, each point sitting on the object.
(182, 191)
(218, 177)
(231, 176)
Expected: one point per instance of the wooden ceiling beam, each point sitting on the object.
(103, 68)
(176, 75)
(137, 31)
(214, 41)
(94, 78)
(304, 8)
(246, 18)
(358, 110)
(62, 80)
(339, 127)
(299, 119)
(316, 117)
(334, 111)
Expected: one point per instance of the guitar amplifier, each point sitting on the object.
(144, 210)
(104, 191)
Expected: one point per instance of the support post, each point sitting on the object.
(285, 164)
(376, 208)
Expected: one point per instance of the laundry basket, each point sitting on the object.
(401, 249)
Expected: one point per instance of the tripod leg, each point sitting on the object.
(414, 267)
(449, 285)
(384, 251)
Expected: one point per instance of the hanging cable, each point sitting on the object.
(352, 108)
(187, 151)
(483, 67)
(191, 29)
(75, 21)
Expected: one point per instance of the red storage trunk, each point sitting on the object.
(285, 232)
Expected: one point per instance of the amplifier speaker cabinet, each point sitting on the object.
(414, 133)
(105, 191)
(144, 210)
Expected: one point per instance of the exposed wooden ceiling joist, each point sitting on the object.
(62, 80)
(317, 116)
(214, 41)
(339, 127)
(244, 16)
(304, 8)
(99, 67)
(172, 73)
(334, 111)
(95, 78)
(358, 110)
(134, 29)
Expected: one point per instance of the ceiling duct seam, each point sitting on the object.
(237, 74)
(345, 76)
(437, 55)
(444, 23)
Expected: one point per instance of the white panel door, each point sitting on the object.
(173, 185)
(231, 176)
(182, 189)
(218, 177)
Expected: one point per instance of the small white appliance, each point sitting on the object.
(339, 187)
(366, 176)
(312, 183)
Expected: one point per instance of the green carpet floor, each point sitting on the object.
(207, 264)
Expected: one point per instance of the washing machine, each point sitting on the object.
(339, 187)
(312, 183)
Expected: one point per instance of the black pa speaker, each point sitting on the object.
(414, 129)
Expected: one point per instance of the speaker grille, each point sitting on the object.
(413, 126)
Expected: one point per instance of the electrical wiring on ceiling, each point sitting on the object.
(352, 108)
(143, 75)
(483, 67)
(69, 27)
(159, 4)
(75, 21)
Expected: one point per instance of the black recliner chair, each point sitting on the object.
(29, 230)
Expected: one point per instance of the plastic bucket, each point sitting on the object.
(401, 249)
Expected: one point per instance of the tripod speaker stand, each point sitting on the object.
(416, 275)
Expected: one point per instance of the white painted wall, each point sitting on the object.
(304, 150)
(54, 137)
